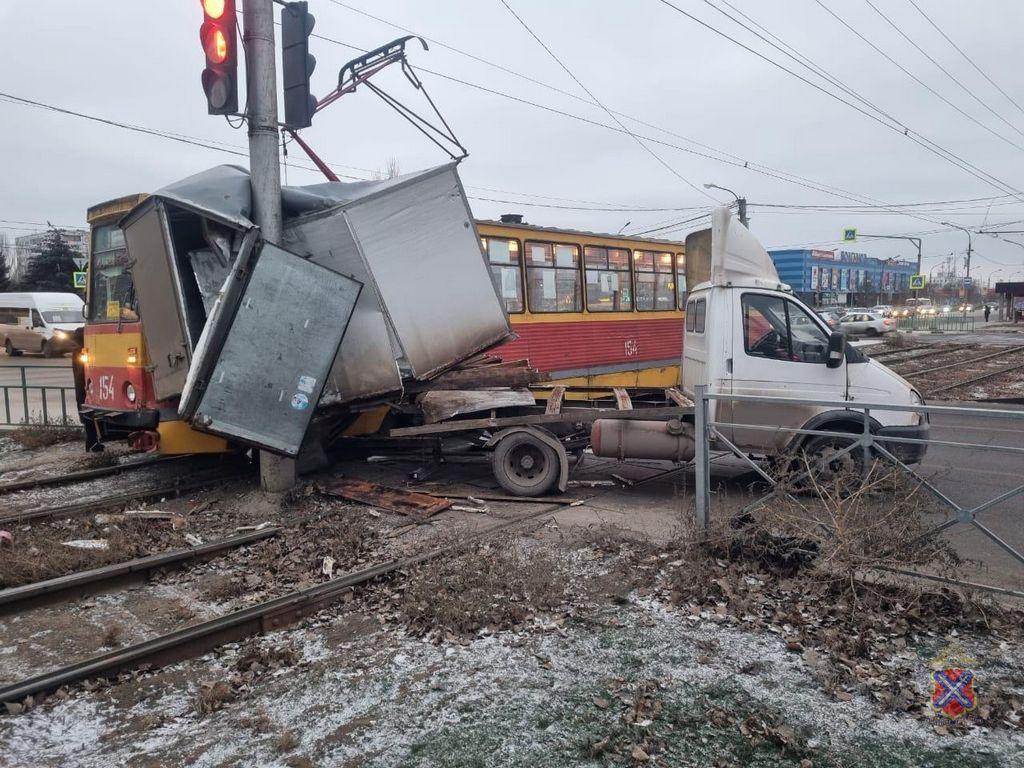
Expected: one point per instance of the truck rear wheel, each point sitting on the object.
(524, 465)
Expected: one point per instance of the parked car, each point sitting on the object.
(866, 324)
(40, 322)
(830, 317)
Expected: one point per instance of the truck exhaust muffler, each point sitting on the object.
(621, 439)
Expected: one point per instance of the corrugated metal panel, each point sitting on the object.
(424, 257)
(566, 345)
(365, 366)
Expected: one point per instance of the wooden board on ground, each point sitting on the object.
(418, 506)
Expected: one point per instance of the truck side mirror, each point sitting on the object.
(836, 349)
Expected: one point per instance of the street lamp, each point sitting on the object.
(741, 203)
(968, 267)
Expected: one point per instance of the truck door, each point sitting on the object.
(262, 361)
(779, 350)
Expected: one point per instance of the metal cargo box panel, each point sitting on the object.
(365, 366)
(277, 351)
(422, 252)
(157, 290)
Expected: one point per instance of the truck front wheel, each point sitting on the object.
(822, 458)
(524, 465)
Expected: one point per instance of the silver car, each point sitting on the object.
(865, 324)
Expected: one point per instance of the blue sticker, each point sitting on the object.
(300, 402)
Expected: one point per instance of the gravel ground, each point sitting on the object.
(582, 686)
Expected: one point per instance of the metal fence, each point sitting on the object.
(946, 322)
(37, 394)
(708, 433)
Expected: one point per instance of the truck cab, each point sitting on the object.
(748, 334)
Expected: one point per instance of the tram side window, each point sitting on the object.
(655, 280)
(553, 277)
(608, 284)
(680, 279)
(506, 270)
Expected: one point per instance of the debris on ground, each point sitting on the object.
(494, 586)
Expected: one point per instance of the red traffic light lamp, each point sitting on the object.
(219, 38)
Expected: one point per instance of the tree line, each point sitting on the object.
(52, 269)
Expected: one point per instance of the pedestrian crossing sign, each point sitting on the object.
(79, 279)
(917, 282)
(849, 235)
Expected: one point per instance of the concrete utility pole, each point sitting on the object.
(277, 473)
(967, 266)
(741, 203)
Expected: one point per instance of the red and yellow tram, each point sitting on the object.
(590, 309)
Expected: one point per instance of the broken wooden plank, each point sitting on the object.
(555, 400)
(418, 506)
(622, 400)
(677, 397)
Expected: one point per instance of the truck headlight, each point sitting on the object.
(59, 335)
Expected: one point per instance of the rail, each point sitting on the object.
(708, 432)
(29, 398)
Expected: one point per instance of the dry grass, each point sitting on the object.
(897, 340)
(39, 553)
(222, 586)
(113, 636)
(806, 567)
(212, 696)
(43, 435)
(285, 741)
(496, 585)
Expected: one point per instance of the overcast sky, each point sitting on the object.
(140, 62)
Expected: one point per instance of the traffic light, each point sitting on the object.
(219, 38)
(297, 65)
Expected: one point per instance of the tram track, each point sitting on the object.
(89, 474)
(178, 486)
(975, 379)
(82, 583)
(963, 363)
(277, 613)
(931, 352)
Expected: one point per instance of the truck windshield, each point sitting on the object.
(111, 292)
(63, 316)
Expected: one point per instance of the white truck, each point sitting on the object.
(40, 322)
(748, 334)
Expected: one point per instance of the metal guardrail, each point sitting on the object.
(947, 322)
(707, 432)
(25, 401)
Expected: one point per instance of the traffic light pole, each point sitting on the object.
(277, 473)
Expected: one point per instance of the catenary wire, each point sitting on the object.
(945, 71)
(914, 136)
(661, 161)
(964, 54)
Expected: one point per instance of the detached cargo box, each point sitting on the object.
(375, 283)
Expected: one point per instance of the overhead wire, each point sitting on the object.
(661, 161)
(725, 156)
(913, 135)
(964, 54)
(945, 71)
